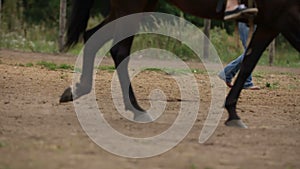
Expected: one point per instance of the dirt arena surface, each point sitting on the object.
(37, 132)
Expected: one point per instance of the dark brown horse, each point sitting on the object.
(274, 17)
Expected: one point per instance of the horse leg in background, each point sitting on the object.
(86, 79)
(259, 42)
(120, 53)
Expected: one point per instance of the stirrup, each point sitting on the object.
(241, 12)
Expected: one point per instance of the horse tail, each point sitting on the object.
(77, 21)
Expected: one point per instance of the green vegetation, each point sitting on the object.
(286, 56)
(290, 167)
(165, 43)
(65, 66)
(32, 25)
(48, 65)
(258, 74)
(193, 166)
(2, 144)
(26, 65)
(35, 38)
(64, 76)
(53, 66)
(2, 166)
(274, 85)
(29, 65)
(109, 68)
(171, 71)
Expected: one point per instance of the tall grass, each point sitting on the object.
(36, 38)
(40, 38)
(286, 56)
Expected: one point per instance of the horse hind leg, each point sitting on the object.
(120, 53)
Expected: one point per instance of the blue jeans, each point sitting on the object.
(233, 67)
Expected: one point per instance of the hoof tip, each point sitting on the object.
(143, 118)
(66, 96)
(236, 123)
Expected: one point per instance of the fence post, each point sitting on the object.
(271, 52)
(0, 13)
(62, 24)
(207, 25)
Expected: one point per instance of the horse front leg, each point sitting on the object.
(86, 79)
(120, 53)
(89, 52)
(259, 42)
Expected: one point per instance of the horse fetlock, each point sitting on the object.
(132, 105)
(231, 108)
(81, 89)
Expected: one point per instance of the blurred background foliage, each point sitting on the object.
(33, 25)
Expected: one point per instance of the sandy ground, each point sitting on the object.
(38, 132)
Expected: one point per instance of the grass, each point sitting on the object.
(64, 76)
(193, 166)
(2, 166)
(109, 68)
(29, 64)
(292, 87)
(65, 66)
(287, 57)
(40, 38)
(48, 65)
(2, 144)
(26, 65)
(36, 39)
(171, 71)
(258, 74)
(290, 167)
(163, 42)
(273, 86)
(54, 66)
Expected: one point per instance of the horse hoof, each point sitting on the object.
(143, 118)
(79, 91)
(66, 96)
(236, 123)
